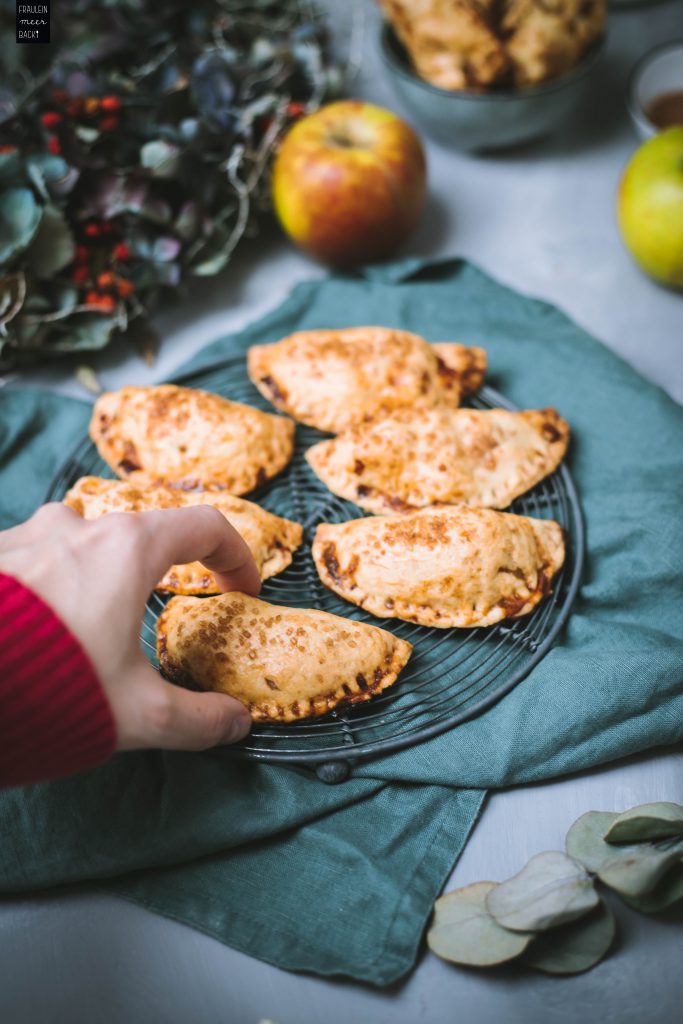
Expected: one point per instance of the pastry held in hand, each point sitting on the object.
(190, 439)
(285, 664)
(333, 379)
(270, 539)
(413, 458)
(444, 567)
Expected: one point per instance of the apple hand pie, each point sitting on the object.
(443, 567)
(413, 458)
(334, 379)
(284, 664)
(270, 539)
(468, 361)
(189, 439)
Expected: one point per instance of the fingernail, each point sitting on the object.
(239, 727)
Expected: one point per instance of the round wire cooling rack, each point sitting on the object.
(453, 674)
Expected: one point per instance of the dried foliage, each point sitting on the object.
(134, 155)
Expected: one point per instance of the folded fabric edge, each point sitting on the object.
(459, 814)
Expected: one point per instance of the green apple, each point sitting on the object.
(650, 207)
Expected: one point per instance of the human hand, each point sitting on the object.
(97, 577)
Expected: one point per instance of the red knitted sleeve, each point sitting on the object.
(54, 716)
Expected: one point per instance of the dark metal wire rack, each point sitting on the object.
(453, 674)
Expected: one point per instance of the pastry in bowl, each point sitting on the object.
(189, 439)
(479, 45)
(284, 664)
(418, 457)
(334, 379)
(445, 567)
(271, 539)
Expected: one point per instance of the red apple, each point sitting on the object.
(349, 183)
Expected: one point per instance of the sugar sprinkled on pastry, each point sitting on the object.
(190, 439)
(443, 567)
(284, 664)
(413, 458)
(333, 379)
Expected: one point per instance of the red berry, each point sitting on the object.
(124, 287)
(82, 254)
(109, 124)
(92, 230)
(50, 119)
(59, 96)
(122, 252)
(295, 109)
(106, 227)
(106, 279)
(110, 103)
(53, 145)
(91, 105)
(102, 303)
(80, 274)
(74, 108)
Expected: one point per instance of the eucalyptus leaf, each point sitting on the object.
(550, 890)
(161, 158)
(19, 220)
(574, 947)
(585, 840)
(667, 892)
(53, 247)
(464, 932)
(647, 821)
(83, 332)
(631, 870)
(10, 168)
(636, 870)
(57, 175)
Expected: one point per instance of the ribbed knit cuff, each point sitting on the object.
(54, 716)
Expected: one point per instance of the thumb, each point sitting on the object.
(172, 718)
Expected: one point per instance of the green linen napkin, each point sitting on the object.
(340, 880)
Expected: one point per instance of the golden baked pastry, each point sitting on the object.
(417, 457)
(452, 43)
(189, 439)
(333, 379)
(285, 664)
(271, 540)
(468, 361)
(546, 39)
(484, 44)
(444, 567)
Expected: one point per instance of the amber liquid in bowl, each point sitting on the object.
(666, 111)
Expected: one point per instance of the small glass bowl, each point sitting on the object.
(658, 72)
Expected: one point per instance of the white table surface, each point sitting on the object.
(540, 219)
